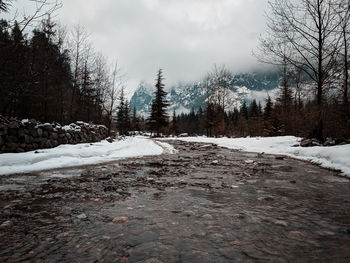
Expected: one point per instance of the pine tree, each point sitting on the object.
(268, 108)
(253, 109)
(244, 110)
(126, 118)
(135, 122)
(159, 118)
(121, 114)
(174, 125)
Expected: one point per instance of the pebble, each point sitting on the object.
(120, 220)
(6, 224)
(281, 223)
(82, 216)
(207, 216)
(189, 213)
(151, 260)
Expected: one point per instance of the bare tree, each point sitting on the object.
(101, 80)
(42, 9)
(343, 10)
(304, 33)
(5, 5)
(217, 85)
(79, 46)
(117, 84)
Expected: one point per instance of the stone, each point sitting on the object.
(54, 136)
(19, 150)
(189, 213)
(281, 223)
(207, 216)
(82, 216)
(151, 260)
(306, 143)
(48, 127)
(28, 139)
(14, 125)
(39, 132)
(21, 132)
(120, 220)
(45, 134)
(329, 142)
(11, 147)
(12, 139)
(6, 224)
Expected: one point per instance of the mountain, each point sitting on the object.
(185, 96)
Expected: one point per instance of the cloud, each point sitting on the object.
(184, 37)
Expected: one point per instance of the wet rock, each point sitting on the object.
(345, 230)
(151, 260)
(189, 213)
(6, 224)
(280, 157)
(310, 143)
(329, 142)
(269, 198)
(120, 220)
(207, 217)
(66, 210)
(82, 216)
(281, 223)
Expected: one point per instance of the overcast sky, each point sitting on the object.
(183, 37)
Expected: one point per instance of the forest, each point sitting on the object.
(54, 74)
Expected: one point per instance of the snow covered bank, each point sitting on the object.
(335, 157)
(80, 154)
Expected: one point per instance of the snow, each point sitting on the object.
(334, 157)
(25, 121)
(81, 154)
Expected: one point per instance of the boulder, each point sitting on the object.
(54, 136)
(12, 139)
(310, 143)
(28, 139)
(11, 147)
(39, 132)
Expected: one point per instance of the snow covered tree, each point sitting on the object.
(158, 119)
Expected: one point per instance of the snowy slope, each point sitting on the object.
(80, 154)
(335, 157)
(185, 96)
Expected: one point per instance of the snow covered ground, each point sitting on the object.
(80, 154)
(335, 157)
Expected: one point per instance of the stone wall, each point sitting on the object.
(27, 135)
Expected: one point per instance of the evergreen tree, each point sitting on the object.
(158, 119)
(135, 122)
(253, 109)
(121, 114)
(126, 117)
(268, 108)
(244, 110)
(174, 125)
